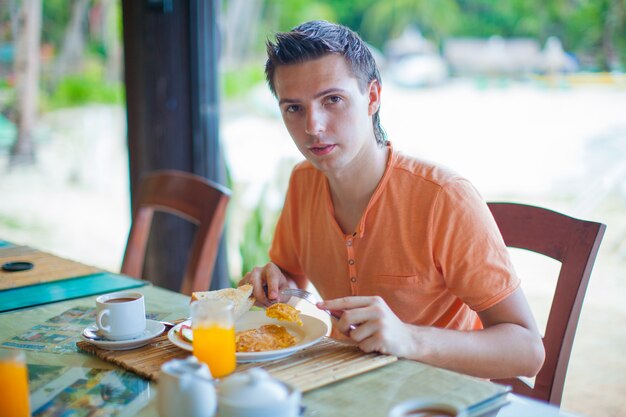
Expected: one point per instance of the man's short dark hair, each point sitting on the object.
(317, 38)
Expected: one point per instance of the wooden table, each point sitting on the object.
(369, 394)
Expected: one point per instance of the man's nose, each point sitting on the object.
(314, 122)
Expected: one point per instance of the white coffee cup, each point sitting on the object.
(121, 315)
(425, 407)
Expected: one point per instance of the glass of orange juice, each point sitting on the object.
(13, 384)
(213, 328)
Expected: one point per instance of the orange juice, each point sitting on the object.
(215, 346)
(13, 388)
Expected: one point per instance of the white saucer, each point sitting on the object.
(153, 329)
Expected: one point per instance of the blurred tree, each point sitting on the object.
(70, 59)
(105, 19)
(351, 12)
(283, 15)
(56, 15)
(614, 17)
(483, 18)
(386, 20)
(241, 18)
(27, 76)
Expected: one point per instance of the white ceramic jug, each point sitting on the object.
(255, 393)
(186, 389)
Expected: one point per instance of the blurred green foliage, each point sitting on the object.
(79, 90)
(238, 82)
(257, 237)
(86, 87)
(86, 83)
(256, 232)
(283, 15)
(10, 222)
(55, 17)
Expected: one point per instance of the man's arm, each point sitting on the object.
(509, 345)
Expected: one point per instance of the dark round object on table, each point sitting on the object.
(17, 266)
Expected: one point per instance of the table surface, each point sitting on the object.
(369, 394)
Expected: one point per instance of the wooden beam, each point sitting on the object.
(172, 108)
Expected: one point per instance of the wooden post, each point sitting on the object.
(170, 63)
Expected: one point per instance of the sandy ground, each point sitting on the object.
(564, 149)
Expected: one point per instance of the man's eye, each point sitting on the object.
(334, 99)
(292, 109)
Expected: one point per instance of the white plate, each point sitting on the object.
(153, 329)
(312, 330)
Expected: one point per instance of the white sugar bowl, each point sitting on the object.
(255, 393)
(186, 389)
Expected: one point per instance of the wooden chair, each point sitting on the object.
(575, 244)
(191, 197)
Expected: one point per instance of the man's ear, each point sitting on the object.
(374, 97)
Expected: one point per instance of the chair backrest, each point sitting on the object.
(575, 244)
(185, 195)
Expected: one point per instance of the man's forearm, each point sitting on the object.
(500, 351)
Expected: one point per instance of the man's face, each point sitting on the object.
(328, 117)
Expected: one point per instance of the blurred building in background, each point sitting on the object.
(497, 56)
(413, 61)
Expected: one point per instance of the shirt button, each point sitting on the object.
(351, 262)
(353, 279)
(349, 243)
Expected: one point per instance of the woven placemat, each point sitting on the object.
(46, 268)
(321, 364)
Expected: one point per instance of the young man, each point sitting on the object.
(406, 250)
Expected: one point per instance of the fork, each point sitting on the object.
(307, 296)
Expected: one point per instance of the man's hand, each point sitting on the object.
(269, 275)
(378, 329)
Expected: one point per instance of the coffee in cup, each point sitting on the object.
(120, 300)
(424, 407)
(121, 315)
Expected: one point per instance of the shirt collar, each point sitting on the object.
(391, 161)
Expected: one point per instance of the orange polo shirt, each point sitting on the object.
(426, 243)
